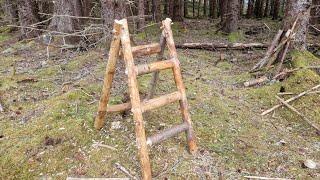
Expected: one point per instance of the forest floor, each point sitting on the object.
(48, 106)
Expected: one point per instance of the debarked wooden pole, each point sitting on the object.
(108, 77)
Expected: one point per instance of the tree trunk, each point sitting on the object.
(186, 2)
(141, 12)
(156, 9)
(241, 7)
(199, 6)
(193, 8)
(28, 15)
(223, 11)
(293, 9)
(258, 9)
(205, 8)
(315, 12)
(10, 11)
(87, 5)
(267, 8)
(250, 8)
(176, 10)
(232, 18)
(166, 5)
(146, 6)
(213, 8)
(66, 24)
(276, 7)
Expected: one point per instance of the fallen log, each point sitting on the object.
(222, 46)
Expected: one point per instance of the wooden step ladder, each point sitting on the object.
(121, 39)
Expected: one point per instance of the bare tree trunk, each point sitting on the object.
(205, 2)
(156, 9)
(232, 19)
(27, 16)
(294, 8)
(176, 10)
(199, 6)
(166, 5)
(141, 12)
(193, 8)
(64, 23)
(250, 8)
(241, 7)
(146, 6)
(276, 8)
(186, 2)
(315, 12)
(10, 11)
(223, 11)
(267, 8)
(213, 8)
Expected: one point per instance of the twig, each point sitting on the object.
(1, 108)
(265, 178)
(124, 170)
(297, 112)
(314, 27)
(291, 99)
(103, 145)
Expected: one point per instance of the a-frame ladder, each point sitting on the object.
(122, 39)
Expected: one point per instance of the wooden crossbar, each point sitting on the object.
(137, 107)
(143, 50)
(168, 133)
(147, 105)
(155, 66)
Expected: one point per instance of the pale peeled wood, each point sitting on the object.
(135, 101)
(155, 66)
(161, 101)
(144, 50)
(108, 77)
(179, 83)
(256, 81)
(148, 104)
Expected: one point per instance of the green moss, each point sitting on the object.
(235, 36)
(224, 65)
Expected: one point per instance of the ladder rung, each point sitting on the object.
(155, 66)
(160, 101)
(147, 105)
(168, 133)
(148, 49)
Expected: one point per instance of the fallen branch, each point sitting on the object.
(254, 82)
(103, 145)
(273, 44)
(297, 112)
(124, 170)
(217, 46)
(291, 99)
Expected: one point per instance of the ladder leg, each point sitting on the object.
(155, 75)
(179, 83)
(108, 77)
(135, 102)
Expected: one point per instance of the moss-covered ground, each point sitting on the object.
(46, 128)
